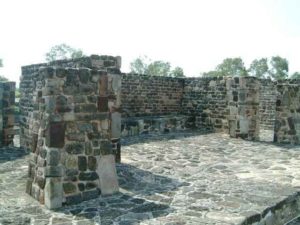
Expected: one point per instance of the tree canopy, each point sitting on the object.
(63, 51)
(144, 65)
(280, 68)
(295, 75)
(276, 68)
(2, 78)
(259, 68)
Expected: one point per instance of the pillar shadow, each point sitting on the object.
(11, 153)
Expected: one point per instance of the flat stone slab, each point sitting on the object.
(175, 179)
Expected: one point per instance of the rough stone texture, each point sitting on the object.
(150, 96)
(243, 103)
(156, 125)
(187, 178)
(205, 99)
(287, 124)
(7, 109)
(267, 104)
(65, 123)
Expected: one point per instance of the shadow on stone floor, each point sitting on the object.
(11, 153)
(144, 182)
(145, 138)
(138, 200)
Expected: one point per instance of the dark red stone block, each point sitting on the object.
(102, 104)
(55, 136)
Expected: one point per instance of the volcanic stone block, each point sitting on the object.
(53, 157)
(82, 163)
(88, 176)
(115, 125)
(102, 104)
(92, 163)
(53, 193)
(69, 188)
(56, 135)
(105, 147)
(75, 148)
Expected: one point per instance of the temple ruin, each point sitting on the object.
(71, 119)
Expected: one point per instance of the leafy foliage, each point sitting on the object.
(280, 68)
(232, 67)
(259, 68)
(295, 75)
(143, 65)
(177, 72)
(63, 51)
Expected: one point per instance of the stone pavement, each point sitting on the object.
(171, 179)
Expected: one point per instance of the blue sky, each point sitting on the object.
(194, 34)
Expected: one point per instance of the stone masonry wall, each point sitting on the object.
(28, 82)
(243, 97)
(205, 99)
(150, 95)
(287, 123)
(267, 104)
(7, 104)
(73, 132)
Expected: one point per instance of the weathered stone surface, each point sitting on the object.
(53, 157)
(88, 176)
(82, 163)
(69, 188)
(105, 147)
(75, 148)
(53, 171)
(53, 193)
(56, 135)
(92, 163)
(108, 175)
(87, 195)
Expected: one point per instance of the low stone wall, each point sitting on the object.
(205, 99)
(278, 214)
(155, 125)
(7, 106)
(150, 95)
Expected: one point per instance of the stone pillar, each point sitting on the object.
(243, 103)
(7, 109)
(287, 122)
(75, 131)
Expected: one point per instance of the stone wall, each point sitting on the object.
(205, 99)
(287, 123)
(7, 106)
(243, 101)
(150, 95)
(267, 104)
(72, 125)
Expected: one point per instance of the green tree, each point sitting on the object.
(259, 68)
(63, 51)
(144, 65)
(295, 75)
(177, 72)
(139, 65)
(2, 78)
(212, 73)
(279, 68)
(159, 68)
(232, 67)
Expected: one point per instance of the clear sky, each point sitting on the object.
(193, 34)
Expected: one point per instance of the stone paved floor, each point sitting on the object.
(196, 179)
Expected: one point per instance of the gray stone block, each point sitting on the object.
(53, 193)
(107, 175)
